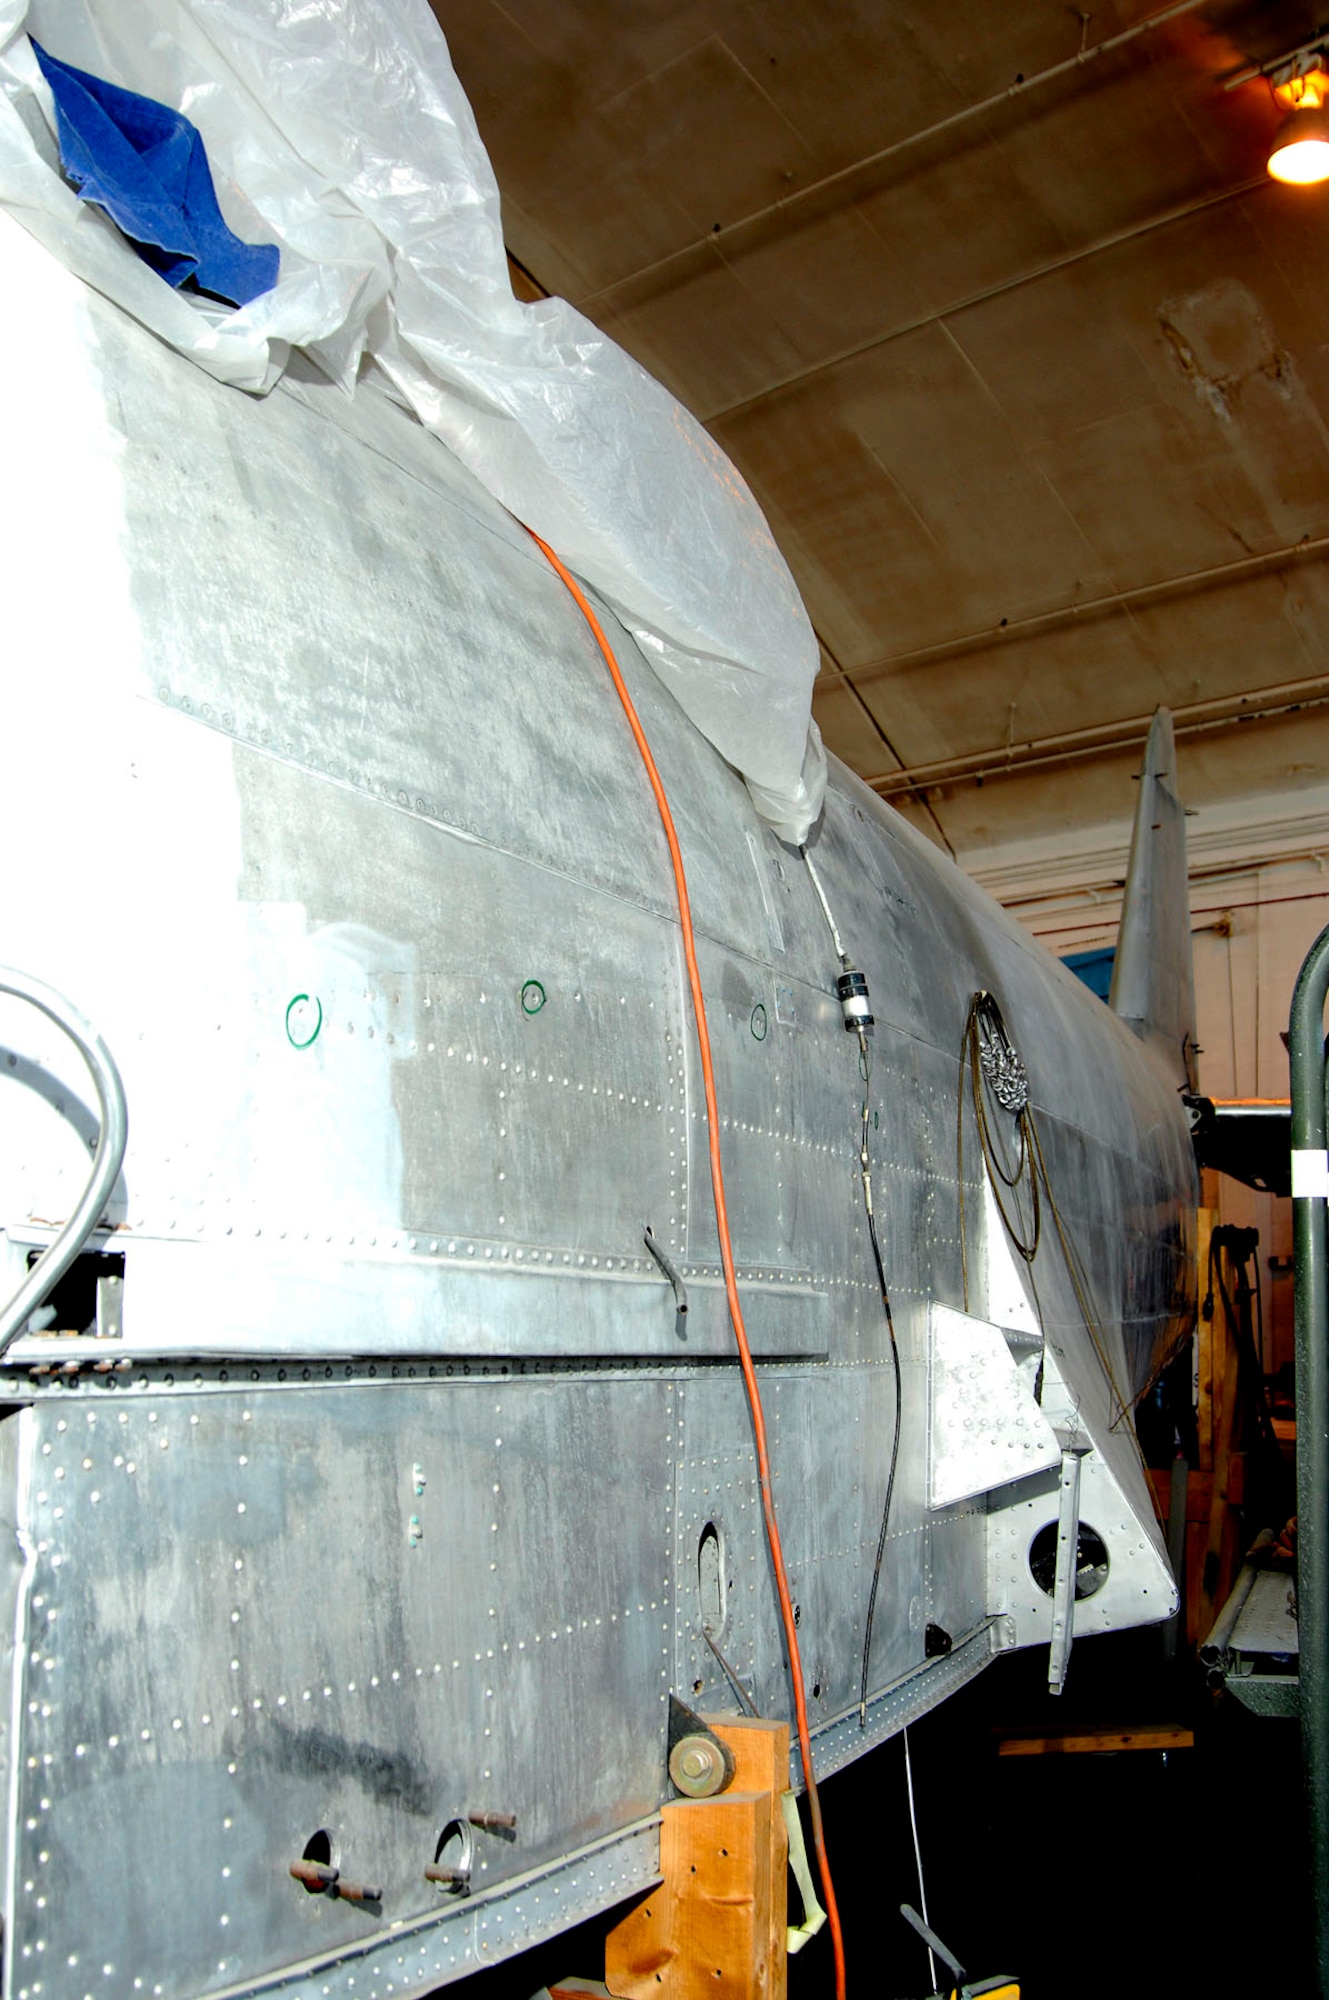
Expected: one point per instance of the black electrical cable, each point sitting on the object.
(857, 1019)
(895, 1359)
(984, 1012)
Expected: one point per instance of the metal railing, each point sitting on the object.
(1310, 1194)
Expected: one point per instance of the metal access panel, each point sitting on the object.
(255, 1617)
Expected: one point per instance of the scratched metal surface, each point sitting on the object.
(355, 868)
(251, 1616)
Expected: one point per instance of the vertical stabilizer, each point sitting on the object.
(1153, 981)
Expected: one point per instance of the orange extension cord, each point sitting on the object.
(726, 1255)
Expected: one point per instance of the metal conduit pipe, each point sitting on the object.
(56, 1259)
(1310, 1187)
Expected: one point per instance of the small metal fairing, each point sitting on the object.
(985, 1428)
(257, 1616)
(1114, 1502)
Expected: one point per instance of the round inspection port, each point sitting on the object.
(1091, 1560)
(453, 1857)
(304, 1019)
(320, 1849)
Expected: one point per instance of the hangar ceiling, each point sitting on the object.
(1021, 351)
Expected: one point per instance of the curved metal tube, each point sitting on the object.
(56, 1259)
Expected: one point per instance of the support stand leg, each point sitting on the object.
(716, 1926)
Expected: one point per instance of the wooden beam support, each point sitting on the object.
(716, 1925)
(1086, 1740)
(1200, 1488)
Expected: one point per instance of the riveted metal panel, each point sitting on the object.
(906, 1700)
(830, 1447)
(717, 1487)
(958, 1596)
(252, 1616)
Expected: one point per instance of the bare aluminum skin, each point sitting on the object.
(378, 1502)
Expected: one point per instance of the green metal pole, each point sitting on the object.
(1310, 1188)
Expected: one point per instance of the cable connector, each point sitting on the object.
(855, 1004)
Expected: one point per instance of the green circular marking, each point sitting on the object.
(318, 1020)
(758, 1023)
(533, 997)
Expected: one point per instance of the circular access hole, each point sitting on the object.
(454, 1852)
(1091, 1560)
(319, 1848)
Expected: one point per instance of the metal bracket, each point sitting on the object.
(700, 1762)
(680, 1290)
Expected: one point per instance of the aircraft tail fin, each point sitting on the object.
(1153, 980)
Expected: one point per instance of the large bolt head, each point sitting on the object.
(698, 1767)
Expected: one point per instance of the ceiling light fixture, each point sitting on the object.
(1299, 152)
(1299, 82)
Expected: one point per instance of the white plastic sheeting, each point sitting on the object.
(338, 129)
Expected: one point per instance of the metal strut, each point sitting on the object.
(1073, 1450)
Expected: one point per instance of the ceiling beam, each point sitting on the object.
(1100, 245)
(844, 177)
(1084, 611)
(1192, 719)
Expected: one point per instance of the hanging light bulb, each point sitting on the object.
(1299, 153)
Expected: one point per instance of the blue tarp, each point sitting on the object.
(1094, 968)
(146, 166)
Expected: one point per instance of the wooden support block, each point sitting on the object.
(707, 1929)
(760, 1751)
(1082, 1740)
(715, 1927)
(1200, 1488)
(761, 1764)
